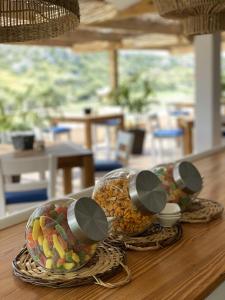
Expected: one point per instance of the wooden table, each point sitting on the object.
(89, 120)
(188, 270)
(187, 125)
(69, 155)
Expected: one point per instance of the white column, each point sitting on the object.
(208, 92)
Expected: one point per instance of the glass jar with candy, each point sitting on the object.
(62, 236)
(181, 180)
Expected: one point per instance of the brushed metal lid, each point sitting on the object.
(87, 220)
(187, 177)
(146, 192)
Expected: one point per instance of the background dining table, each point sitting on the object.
(69, 155)
(89, 120)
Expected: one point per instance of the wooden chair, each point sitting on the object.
(21, 194)
(122, 153)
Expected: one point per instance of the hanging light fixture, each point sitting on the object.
(24, 20)
(197, 16)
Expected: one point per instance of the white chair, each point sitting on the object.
(165, 133)
(16, 196)
(123, 150)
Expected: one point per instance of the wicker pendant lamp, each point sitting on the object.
(23, 20)
(197, 16)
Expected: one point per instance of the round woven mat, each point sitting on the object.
(154, 238)
(207, 211)
(107, 262)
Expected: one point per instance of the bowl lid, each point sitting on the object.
(147, 193)
(87, 220)
(187, 177)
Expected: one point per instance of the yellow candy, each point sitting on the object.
(87, 257)
(36, 230)
(47, 251)
(58, 246)
(48, 264)
(93, 248)
(42, 222)
(68, 266)
(76, 258)
(40, 240)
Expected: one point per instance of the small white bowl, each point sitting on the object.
(171, 217)
(170, 208)
(168, 222)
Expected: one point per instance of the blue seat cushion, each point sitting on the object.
(58, 129)
(107, 165)
(178, 113)
(112, 122)
(26, 196)
(167, 133)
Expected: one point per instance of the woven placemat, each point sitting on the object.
(206, 211)
(107, 262)
(154, 238)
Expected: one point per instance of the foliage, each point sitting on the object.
(134, 94)
(35, 80)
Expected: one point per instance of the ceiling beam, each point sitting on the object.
(144, 24)
(137, 9)
(83, 36)
(96, 46)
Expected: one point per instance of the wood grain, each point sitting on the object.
(189, 270)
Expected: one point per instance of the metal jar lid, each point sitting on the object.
(146, 192)
(87, 220)
(187, 177)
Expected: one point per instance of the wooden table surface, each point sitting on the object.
(189, 270)
(89, 120)
(69, 155)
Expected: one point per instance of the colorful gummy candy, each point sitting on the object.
(175, 194)
(51, 242)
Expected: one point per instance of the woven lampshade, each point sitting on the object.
(23, 20)
(197, 16)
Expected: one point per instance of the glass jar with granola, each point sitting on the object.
(130, 199)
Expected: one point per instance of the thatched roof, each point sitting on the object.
(121, 24)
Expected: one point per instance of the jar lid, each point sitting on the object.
(187, 177)
(146, 192)
(87, 220)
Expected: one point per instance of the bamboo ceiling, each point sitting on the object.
(121, 24)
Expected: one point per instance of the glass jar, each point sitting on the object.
(63, 236)
(181, 180)
(130, 199)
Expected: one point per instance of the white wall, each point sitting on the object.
(208, 92)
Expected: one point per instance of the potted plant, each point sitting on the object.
(17, 121)
(135, 95)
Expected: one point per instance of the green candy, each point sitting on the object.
(60, 218)
(69, 257)
(61, 231)
(53, 214)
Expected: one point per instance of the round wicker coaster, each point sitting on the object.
(107, 262)
(206, 211)
(154, 238)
